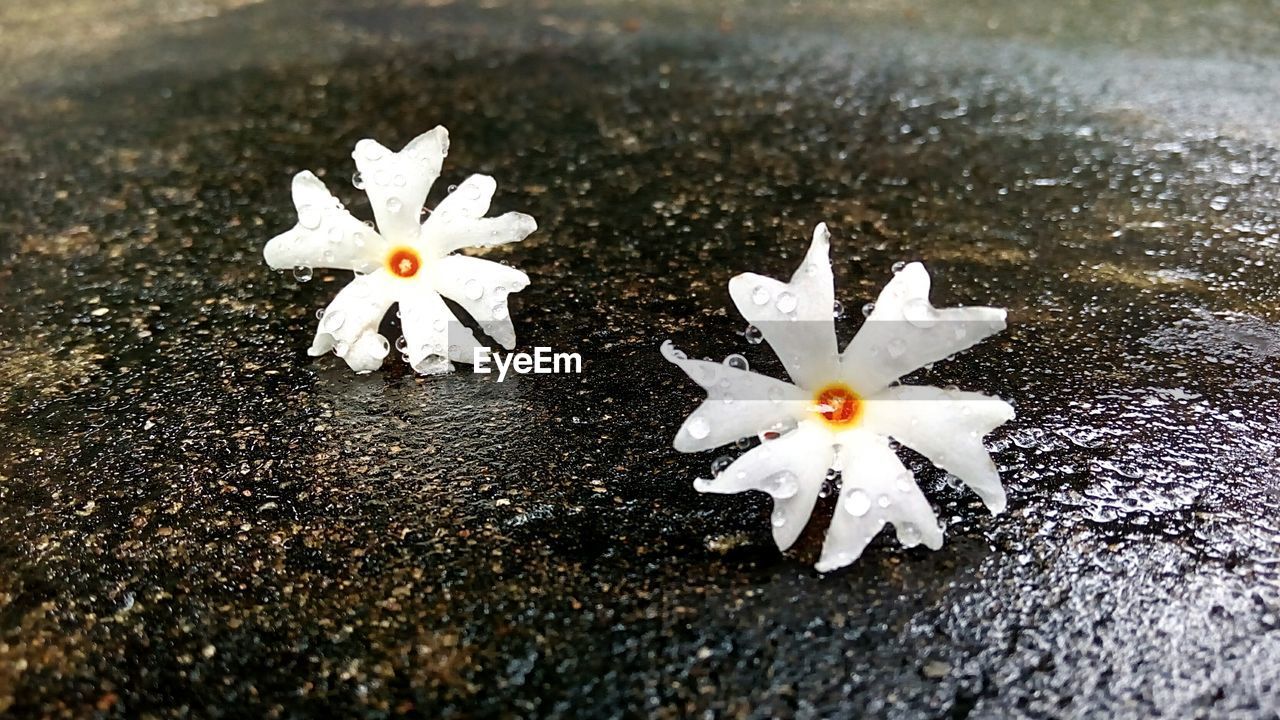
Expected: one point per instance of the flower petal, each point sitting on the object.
(791, 468)
(796, 317)
(947, 427)
(481, 288)
(458, 221)
(398, 182)
(350, 323)
(876, 489)
(454, 231)
(326, 234)
(433, 336)
(470, 200)
(905, 332)
(739, 403)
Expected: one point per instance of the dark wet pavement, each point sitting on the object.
(198, 520)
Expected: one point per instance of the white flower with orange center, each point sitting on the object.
(845, 407)
(406, 261)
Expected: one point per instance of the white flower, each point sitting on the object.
(405, 261)
(844, 407)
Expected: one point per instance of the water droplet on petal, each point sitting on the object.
(781, 485)
(402, 344)
(432, 364)
(778, 518)
(837, 310)
(719, 464)
(896, 347)
(332, 321)
(868, 309)
(920, 313)
(309, 217)
(898, 266)
(736, 362)
(857, 503)
(357, 180)
(753, 335)
(884, 501)
(500, 311)
(394, 204)
(319, 313)
(302, 273)
(760, 295)
(787, 303)
(473, 289)
(699, 428)
(910, 535)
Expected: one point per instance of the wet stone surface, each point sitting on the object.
(196, 519)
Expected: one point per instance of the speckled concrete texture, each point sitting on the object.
(198, 520)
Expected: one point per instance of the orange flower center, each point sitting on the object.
(404, 262)
(838, 404)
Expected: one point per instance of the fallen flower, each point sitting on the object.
(844, 407)
(405, 261)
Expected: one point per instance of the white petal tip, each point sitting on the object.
(271, 252)
(670, 352)
(442, 133)
(784, 542)
(306, 179)
(828, 563)
(432, 365)
(484, 181)
(370, 150)
(362, 364)
(526, 224)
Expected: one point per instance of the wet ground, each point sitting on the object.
(198, 520)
